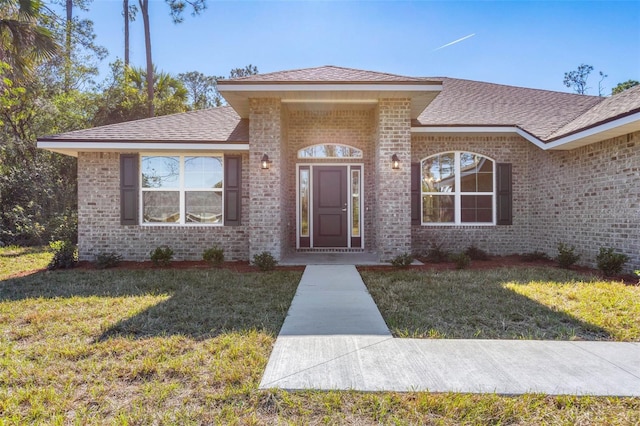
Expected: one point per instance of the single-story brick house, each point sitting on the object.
(339, 159)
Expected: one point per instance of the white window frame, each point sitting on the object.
(180, 189)
(458, 193)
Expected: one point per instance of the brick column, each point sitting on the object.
(393, 187)
(265, 186)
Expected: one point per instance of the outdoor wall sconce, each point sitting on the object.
(265, 162)
(395, 162)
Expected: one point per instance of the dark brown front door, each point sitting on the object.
(330, 206)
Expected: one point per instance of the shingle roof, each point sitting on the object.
(210, 125)
(474, 103)
(326, 74)
(547, 115)
(616, 106)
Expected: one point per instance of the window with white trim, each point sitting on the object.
(458, 188)
(182, 189)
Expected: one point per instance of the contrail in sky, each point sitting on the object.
(455, 41)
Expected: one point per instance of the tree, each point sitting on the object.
(577, 79)
(201, 90)
(129, 13)
(24, 41)
(124, 96)
(621, 87)
(176, 8)
(243, 72)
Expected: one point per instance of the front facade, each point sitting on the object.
(342, 160)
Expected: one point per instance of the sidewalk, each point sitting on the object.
(335, 338)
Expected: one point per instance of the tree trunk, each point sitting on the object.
(144, 8)
(68, 45)
(125, 7)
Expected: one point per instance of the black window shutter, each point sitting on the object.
(232, 189)
(129, 189)
(505, 213)
(415, 194)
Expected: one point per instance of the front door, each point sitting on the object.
(330, 206)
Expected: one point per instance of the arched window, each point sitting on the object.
(458, 188)
(330, 151)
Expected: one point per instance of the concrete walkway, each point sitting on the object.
(335, 338)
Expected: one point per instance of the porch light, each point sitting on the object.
(395, 162)
(265, 162)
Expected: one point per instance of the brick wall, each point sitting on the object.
(99, 229)
(493, 239)
(588, 197)
(343, 126)
(266, 218)
(393, 189)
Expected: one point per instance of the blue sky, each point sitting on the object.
(522, 43)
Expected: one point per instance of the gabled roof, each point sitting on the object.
(551, 120)
(475, 103)
(326, 74)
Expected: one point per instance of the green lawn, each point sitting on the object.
(190, 346)
(506, 303)
(17, 260)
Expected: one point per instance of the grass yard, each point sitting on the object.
(506, 303)
(189, 347)
(17, 260)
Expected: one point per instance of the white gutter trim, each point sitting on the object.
(142, 146)
(330, 88)
(481, 129)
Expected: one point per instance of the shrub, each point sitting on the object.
(637, 272)
(402, 260)
(476, 253)
(265, 261)
(436, 254)
(214, 256)
(162, 256)
(461, 260)
(567, 255)
(107, 260)
(535, 256)
(65, 255)
(609, 262)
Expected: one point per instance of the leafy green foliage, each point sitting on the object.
(476, 253)
(610, 262)
(65, 255)
(621, 87)
(214, 256)
(107, 260)
(567, 255)
(436, 254)
(402, 260)
(161, 256)
(265, 261)
(461, 260)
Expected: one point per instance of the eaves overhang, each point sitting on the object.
(72, 148)
(238, 93)
(610, 129)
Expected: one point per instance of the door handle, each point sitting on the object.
(345, 207)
